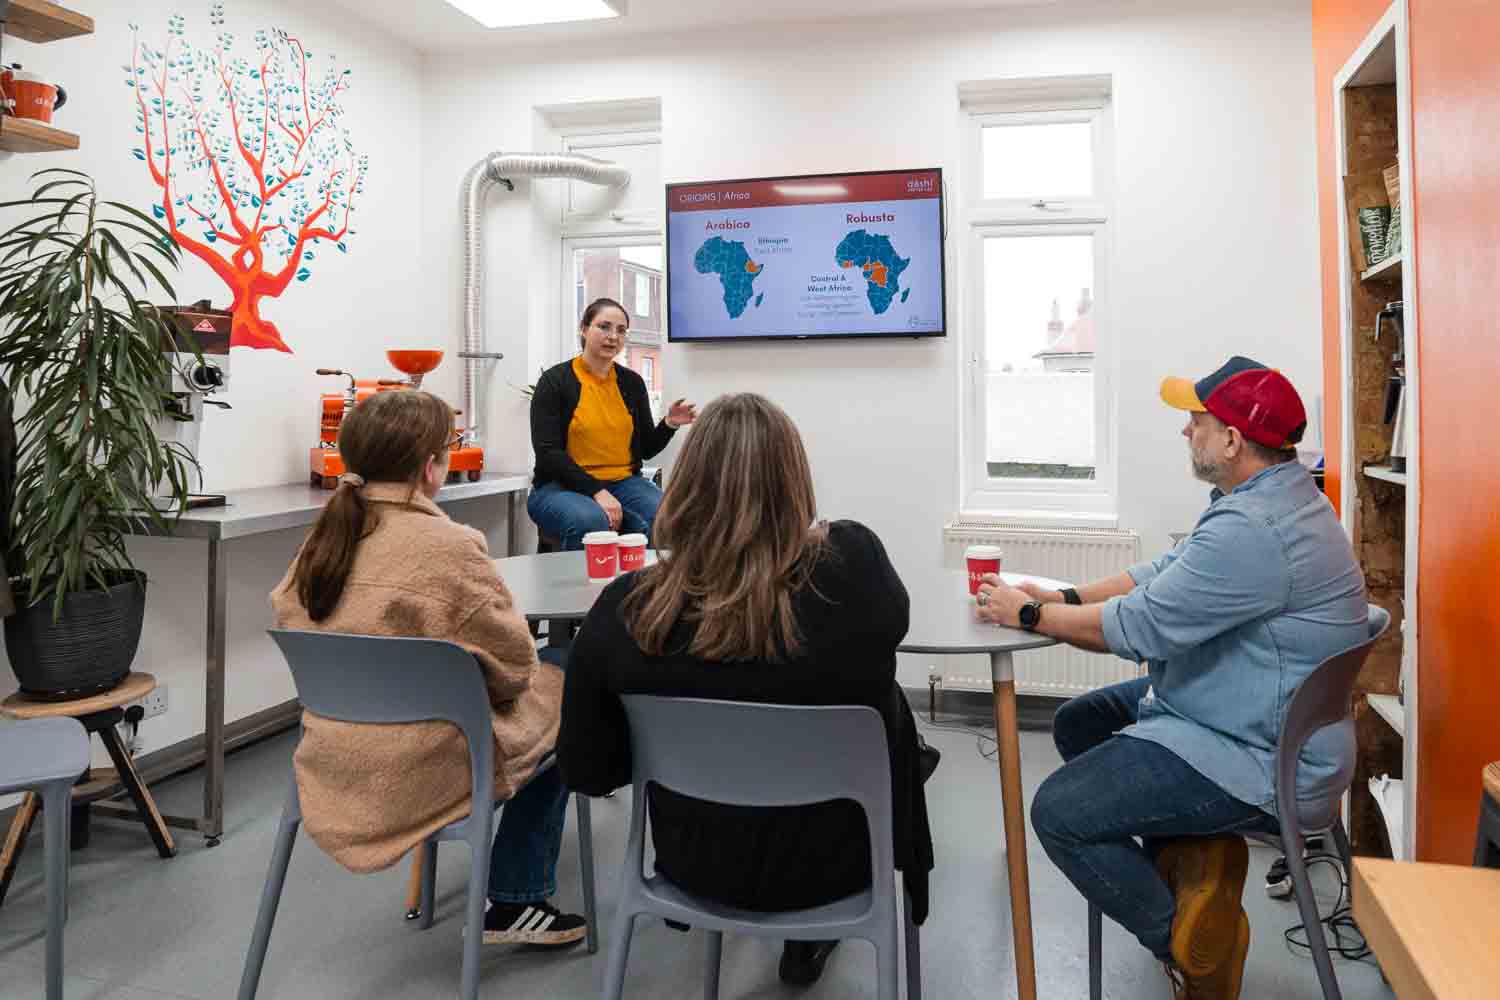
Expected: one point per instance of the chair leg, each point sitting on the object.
(586, 869)
(15, 840)
(1341, 844)
(139, 794)
(429, 884)
(55, 819)
(619, 952)
(281, 856)
(479, 883)
(913, 950)
(1307, 906)
(714, 954)
(888, 961)
(1096, 953)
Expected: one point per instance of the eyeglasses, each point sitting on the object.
(607, 327)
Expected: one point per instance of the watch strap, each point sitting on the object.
(1070, 596)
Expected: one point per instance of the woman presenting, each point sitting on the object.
(591, 427)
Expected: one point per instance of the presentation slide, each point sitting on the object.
(834, 255)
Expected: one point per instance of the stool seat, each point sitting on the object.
(41, 751)
(134, 687)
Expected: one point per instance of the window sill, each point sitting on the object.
(1036, 519)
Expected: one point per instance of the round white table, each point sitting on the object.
(553, 586)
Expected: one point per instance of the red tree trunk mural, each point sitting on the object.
(254, 169)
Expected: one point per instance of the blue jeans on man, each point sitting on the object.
(523, 858)
(1102, 816)
(567, 516)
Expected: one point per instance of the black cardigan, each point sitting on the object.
(851, 618)
(552, 405)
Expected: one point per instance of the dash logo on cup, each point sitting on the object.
(632, 553)
(982, 560)
(602, 551)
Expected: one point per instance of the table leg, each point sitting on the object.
(1008, 740)
(213, 697)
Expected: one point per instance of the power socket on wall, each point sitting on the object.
(155, 703)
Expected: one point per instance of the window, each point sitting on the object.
(648, 371)
(642, 295)
(605, 267)
(1038, 424)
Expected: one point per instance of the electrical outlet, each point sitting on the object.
(155, 703)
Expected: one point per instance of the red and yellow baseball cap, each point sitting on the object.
(1257, 401)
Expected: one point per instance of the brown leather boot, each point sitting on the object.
(1221, 984)
(1207, 875)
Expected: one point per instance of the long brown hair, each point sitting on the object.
(387, 438)
(738, 516)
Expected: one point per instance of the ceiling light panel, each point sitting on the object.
(523, 13)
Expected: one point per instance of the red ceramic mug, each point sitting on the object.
(27, 96)
(602, 550)
(982, 560)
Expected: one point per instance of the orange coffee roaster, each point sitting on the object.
(465, 461)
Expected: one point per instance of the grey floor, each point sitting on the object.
(142, 928)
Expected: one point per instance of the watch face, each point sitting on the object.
(1030, 614)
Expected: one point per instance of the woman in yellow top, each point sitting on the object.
(591, 427)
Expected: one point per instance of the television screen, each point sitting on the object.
(827, 255)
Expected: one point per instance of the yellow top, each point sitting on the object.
(599, 434)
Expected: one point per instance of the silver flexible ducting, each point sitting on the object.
(499, 168)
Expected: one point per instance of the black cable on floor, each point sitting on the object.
(1342, 933)
(984, 735)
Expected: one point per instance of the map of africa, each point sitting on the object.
(737, 272)
(873, 254)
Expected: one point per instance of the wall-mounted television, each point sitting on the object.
(806, 257)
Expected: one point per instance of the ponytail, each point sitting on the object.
(323, 567)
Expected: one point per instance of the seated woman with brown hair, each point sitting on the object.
(383, 559)
(757, 601)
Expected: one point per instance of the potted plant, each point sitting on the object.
(84, 368)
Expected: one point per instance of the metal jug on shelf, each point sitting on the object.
(1395, 388)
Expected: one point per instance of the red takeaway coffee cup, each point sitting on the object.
(632, 552)
(602, 551)
(982, 560)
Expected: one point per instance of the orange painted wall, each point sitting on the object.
(1456, 236)
(1456, 169)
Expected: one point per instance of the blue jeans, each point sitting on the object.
(523, 858)
(568, 516)
(1114, 789)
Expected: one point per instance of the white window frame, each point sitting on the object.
(1092, 503)
(569, 334)
(642, 302)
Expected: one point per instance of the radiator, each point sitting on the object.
(1076, 555)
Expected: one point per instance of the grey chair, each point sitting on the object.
(1323, 699)
(44, 757)
(379, 679)
(746, 754)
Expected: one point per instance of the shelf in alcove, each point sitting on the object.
(1387, 270)
(1391, 710)
(1386, 474)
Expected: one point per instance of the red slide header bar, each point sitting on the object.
(822, 190)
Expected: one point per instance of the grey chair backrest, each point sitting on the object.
(748, 754)
(1323, 699)
(389, 679)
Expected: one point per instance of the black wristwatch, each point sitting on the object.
(1030, 615)
(1070, 596)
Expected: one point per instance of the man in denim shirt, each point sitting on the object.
(1162, 774)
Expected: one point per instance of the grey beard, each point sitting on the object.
(1207, 471)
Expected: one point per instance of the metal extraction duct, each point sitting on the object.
(499, 168)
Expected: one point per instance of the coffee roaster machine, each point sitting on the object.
(465, 461)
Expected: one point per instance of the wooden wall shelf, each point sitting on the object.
(41, 21)
(22, 135)
(1387, 270)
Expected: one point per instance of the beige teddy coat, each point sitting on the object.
(371, 792)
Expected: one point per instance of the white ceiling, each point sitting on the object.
(434, 26)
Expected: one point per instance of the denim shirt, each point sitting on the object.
(1231, 622)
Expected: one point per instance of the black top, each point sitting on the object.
(851, 618)
(552, 405)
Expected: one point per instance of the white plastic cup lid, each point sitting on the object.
(632, 541)
(601, 538)
(983, 552)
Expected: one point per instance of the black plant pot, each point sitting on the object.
(88, 649)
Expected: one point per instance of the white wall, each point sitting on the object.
(346, 316)
(1213, 229)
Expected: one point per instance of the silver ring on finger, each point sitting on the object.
(983, 599)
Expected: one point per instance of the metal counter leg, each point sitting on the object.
(1008, 739)
(213, 697)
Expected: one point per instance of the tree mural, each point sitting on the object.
(255, 169)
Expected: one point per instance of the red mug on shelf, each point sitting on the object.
(26, 95)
